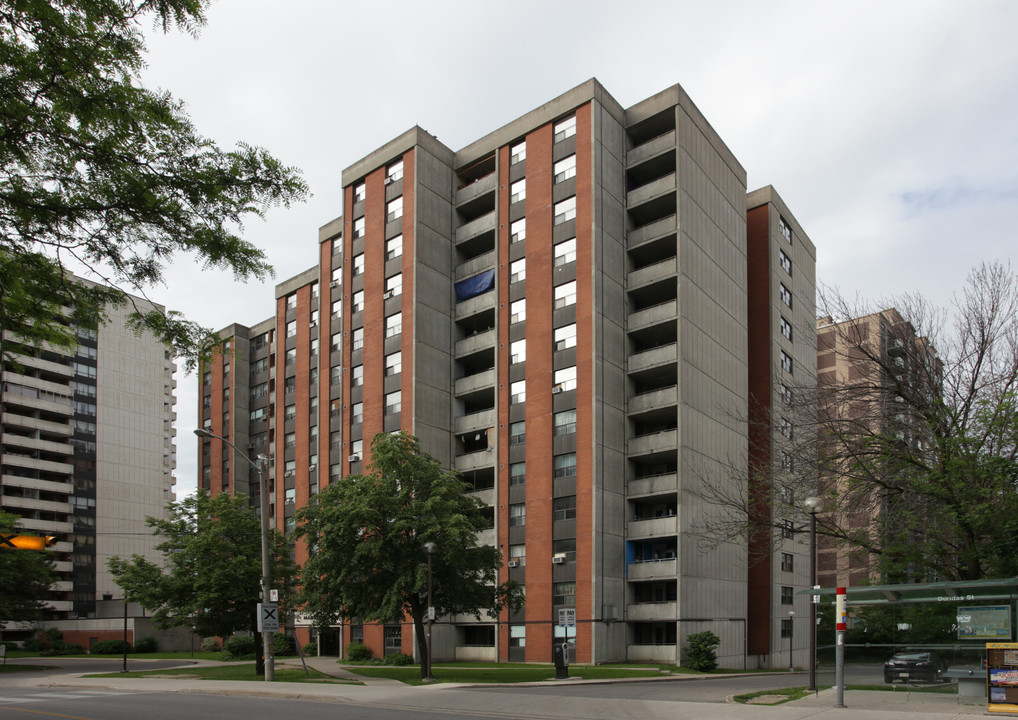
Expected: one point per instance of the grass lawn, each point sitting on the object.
(239, 671)
(503, 672)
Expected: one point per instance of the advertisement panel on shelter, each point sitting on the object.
(985, 622)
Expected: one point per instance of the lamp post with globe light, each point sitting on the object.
(813, 505)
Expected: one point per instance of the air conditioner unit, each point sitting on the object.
(312, 468)
(288, 473)
(354, 458)
(389, 180)
(513, 563)
(556, 389)
(334, 283)
(387, 294)
(558, 559)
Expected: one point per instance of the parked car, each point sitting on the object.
(928, 666)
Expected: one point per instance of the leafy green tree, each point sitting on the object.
(701, 651)
(368, 532)
(97, 171)
(211, 574)
(26, 576)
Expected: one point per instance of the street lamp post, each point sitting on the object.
(261, 465)
(429, 547)
(813, 505)
(791, 633)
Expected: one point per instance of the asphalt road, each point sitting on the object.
(60, 665)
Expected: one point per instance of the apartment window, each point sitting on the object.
(290, 440)
(357, 376)
(357, 447)
(787, 529)
(358, 302)
(360, 192)
(786, 262)
(565, 252)
(518, 391)
(357, 413)
(394, 324)
(518, 231)
(259, 391)
(786, 428)
(393, 402)
(393, 247)
(787, 562)
(291, 329)
(394, 285)
(394, 363)
(517, 352)
(358, 264)
(518, 191)
(336, 375)
(786, 328)
(394, 209)
(314, 291)
(336, 342)
(256, 414)
(786, 627)
(206, 378)
(290, 413)
(314, 346)
(518, 153)
(358, 227)
(565, 128)
(394, 172)
(565, 547)
(565, 466)
(291, 302)
(565, 294)
(517, 514)
(565, 337)
(291, 356)
(565, 379)
(337, 308)
(290, 384)
(786, 295)
(518, 553)
(517, 473)
(787, 464)
(357, 342)
(786, 595)
(565, 169)
(518, 310)
(337, 276)
(289, 496)
(563, 508)
(565, 211)
(314, 314)
(563, 593)
(313, 372)
(518, 270)
(337, 246)
(786, 394)
(565, 422)
(786, 230)
(517, 433)
(786, 362)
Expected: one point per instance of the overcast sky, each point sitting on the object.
(889, 128)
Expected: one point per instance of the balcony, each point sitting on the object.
(652, 273)
(653, 528)
(477, 304)
(654, 357)
(655, 443)
(652, 611)
(12, 419)
(471, 267)
(473, 383)
(653, 485)
(484, 224)
(654, 315)
(664, 569)
(15, 460)
(474, 422)
(475, 460)
(667, 654)
(654, 400)
(46, 527)
(49, 446)
(476, 190)
(653, 230)
(475, 343)
(21, 503)
(59, 407)
(650, 148)
(651, 190)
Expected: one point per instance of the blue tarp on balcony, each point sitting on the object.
(474, 286)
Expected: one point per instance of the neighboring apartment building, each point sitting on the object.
(87, 453)
(559, 311)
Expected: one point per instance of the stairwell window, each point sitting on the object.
(357, 376)
(394, 285)
(785, 294)
(358, 227)
(360, 191)
(393, 402)
(786, 362)
(786, 262)
(786, 328)
(517, 352)
(358, 302)
(394, 363)
(357, 343)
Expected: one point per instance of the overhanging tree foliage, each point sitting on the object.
(97, 171)
(25, 576)
(211, 574)
(367, 535)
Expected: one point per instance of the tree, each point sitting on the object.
(26, 576)
(97, 171)
(367, 535)
(212, 568)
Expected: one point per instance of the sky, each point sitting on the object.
(887, 127)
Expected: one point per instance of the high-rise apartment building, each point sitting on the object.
(559, 311)
(87, 452)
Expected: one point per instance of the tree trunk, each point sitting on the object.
(420, 630)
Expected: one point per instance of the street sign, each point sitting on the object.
(26, 542)
(567, 617)
(431, 612)
(268, 617)
(273, 595)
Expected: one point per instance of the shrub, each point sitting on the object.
(109, 647)
(240, 647)
(10, 645)
(53, 635)
(311, 648)
(398, 659)
(33, 645)
(701, 651)
(210, 644)
(62, 648)
(283, 645)
(358, 652)
(146, 645)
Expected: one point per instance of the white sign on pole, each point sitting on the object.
(268, 617)
(567, 617)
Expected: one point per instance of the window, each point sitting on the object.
(518, 311)
(394, 324)
(518, 191)
(290, 440)
(786, 428)
(565, 128)
(518, 153)
(565, 466)
(291, 302)
(786, 394)
(786, 595)
(565, 169)
(787, 464)
(787, 562)
(393, 634)
(336, 342)
(786, 328)
(289, 384)
(786, 262)
(518, 553)
(394, 172)
(206, 378)
(517, 352)
(786, 362)
(786, 627)
(259, 391)
(357, 376)
(360, 192)
(393, 402)
(565, 252)
(785, 293)
(563, 593)
(517, 433)
(565, 337)
(565, 379)
(565, 422)
(314, 291)
(787, 529)
(357, 413)
(358, 302)
(357, 447)
(786, 231)
(257, 414)
(393, 247)
(358, 227)
(337, 246)
(565, 294)
(517, 514)
(314, 315)
(517, 473)
(394, 285)
(336, 374)
(291, 329)
(337, 308)
(518, 391)
(358, 265)
(565, 211)
(291, 356)
(394, 209)
(314, 346)
(357, 343)
(565, 547)
(518, 231)
(394, 363)
(518, 270)
(563, 508)
(290, 413)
